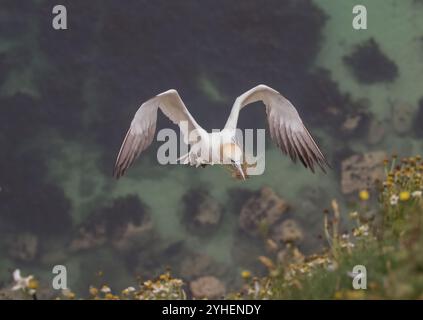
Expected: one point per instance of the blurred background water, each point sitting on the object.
(67, 98)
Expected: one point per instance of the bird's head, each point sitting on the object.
(232, 155)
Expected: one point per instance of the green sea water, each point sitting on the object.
(398, 28)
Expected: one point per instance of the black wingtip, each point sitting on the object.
(116, 173)
(325, 165)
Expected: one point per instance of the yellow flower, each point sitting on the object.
(354, 294)
(246, 274)
(71, 295)
(68, 294)
(404, 196)
(109, 296)
(165, 277)
(364, 195)
(388, 184)
(33, 284)
(148, 284)
(93, 291)
(127, 291)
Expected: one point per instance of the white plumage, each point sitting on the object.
(286, 129)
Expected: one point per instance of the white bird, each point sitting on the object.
(286, 129)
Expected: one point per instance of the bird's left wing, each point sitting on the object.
(286, 127)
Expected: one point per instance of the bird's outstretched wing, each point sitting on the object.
(286, 127)
(143, 127)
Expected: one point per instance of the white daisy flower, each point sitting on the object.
(394, 200)
(416, 194)
(105, 289)
(21, 283)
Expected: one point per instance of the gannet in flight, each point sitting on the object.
(286, 129)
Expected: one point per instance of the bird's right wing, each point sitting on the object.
(143, 127)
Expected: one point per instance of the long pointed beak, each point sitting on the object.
(239, 167)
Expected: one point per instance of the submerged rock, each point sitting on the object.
(208, 287)
(195, 266)
(369, 64)
(361, 171)
(88, 237)
(124, 224)
(402, 117)
(287, 232)
(133, 236)
(351, 123)
(260, 211)
(357, 121)
(376, 131)
(202, 211)
(23, 247)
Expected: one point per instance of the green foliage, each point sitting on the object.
(389, 245)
